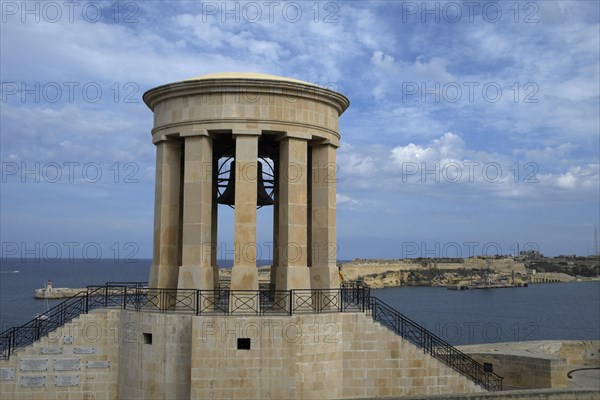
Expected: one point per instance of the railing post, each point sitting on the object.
(11, 341)
(291, 295)
(106, 295)
(197, 311)
(61, 314)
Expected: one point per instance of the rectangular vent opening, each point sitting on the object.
(243, 343)
(147, 338)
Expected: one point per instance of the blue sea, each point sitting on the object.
(561, 311)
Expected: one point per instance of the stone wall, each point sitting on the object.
(155, 356)
(522, 371)
(312, 357)
(120, 354)
(80, 360)
(580, 352)
(538, 394)
(536, 364)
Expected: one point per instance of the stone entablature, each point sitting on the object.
(237, 101)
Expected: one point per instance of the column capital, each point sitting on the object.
(192, 131)
(246, 132)
(295, 135)
(166, 139)
(324, 142)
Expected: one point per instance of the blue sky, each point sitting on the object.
(473, 126)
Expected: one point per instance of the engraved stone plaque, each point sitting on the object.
(98, 364)
(84, 350)
(33, 381)
(7, 374)
(66, 380)
(51, 350)
(68, 339)
(67, 364)
(34, 364)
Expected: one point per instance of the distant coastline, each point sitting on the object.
(488, 271)
(494, 271)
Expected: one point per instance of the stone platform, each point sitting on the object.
(542, 363)
(122, 354)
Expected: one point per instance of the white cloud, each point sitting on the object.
(447, 147)
(584, 179)
(435, 70)
(447, 167)
(343, 199)
(567, 181)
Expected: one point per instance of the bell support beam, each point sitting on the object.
(292, 271)
(244, 275)
(323, 272)
(196, 270)
(165, 257)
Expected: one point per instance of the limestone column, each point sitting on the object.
(196, 269)
(323, 272)
(292, 271)
(244, 275)
(165, 256)
(275, 255)
(214, 224)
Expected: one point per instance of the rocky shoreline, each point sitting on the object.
(475, 272)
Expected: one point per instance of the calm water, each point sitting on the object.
(545, 311)
(537, 312)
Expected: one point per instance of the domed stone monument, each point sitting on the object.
(245, 140)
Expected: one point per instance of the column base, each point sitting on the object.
(163, 276)
(293, 278)
(195, 277)
(297, 279)
(244, 297)
(244, 278)
(327, 279)
(324, 277)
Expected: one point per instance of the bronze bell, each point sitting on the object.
(228, 196)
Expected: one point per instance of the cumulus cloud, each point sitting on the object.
(447, 147)
(448, 167)
(584, 178)
(343, 199)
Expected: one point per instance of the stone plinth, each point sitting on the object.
(139, 355)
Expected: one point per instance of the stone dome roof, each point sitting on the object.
(245, 75)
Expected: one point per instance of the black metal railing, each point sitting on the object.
(350, 297)
(136, 296)
(432, 344)
(42, 325)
